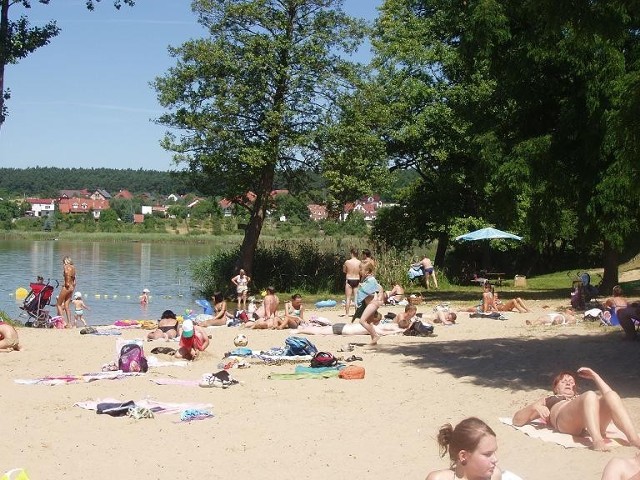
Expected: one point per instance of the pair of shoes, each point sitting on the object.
(353, 358)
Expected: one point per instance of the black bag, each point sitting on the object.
(419, 329)
(323, 359)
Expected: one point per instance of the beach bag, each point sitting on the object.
(352, 372)
(132, 358)
(419, 329)
(296, 346)
(323, 359)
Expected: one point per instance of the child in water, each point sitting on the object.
(144, 298)
(78, 309)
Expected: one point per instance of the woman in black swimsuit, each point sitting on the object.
(569, 412)
(167, 327)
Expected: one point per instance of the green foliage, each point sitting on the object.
(251, 97)
(288, 266)
(48, 181)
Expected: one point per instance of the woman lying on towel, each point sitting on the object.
(569, 412)
(564, 317)
(351, 329)
(472, 449)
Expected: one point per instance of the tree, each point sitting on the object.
(18, 39)
(251, 97)
(519, 113)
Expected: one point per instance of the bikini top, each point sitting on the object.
(550, 401)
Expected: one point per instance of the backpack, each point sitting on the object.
(132, 358)
(323, 359)
(299, 346)
(419, 329)
(352, 372)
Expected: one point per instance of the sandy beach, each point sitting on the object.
(378, 428)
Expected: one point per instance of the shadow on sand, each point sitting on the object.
(529, 362)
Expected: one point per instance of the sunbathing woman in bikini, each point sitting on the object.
(569, 412)
(167, 327)
(565, 317)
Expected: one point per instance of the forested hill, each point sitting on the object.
(48, 181)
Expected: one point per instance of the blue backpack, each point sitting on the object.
(296, 346)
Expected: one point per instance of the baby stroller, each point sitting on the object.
(35, 304)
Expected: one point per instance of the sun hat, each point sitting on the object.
(77, 295)
(187, 329)
(146, 290)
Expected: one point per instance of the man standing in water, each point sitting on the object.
(68, 286)
(351, 269)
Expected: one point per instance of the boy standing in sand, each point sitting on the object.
(78, 309)
(351, 269)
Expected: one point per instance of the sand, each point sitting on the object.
(381, 427)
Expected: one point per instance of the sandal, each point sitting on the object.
(353, 358)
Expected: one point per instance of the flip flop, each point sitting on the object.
(353, 358)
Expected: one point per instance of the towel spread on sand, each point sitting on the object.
(155, 362)
(539, 429)
(153, 405)
(87, 377)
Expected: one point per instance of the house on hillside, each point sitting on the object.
(123, 193)
(83, 205)
(173, 198)
(84, 193)
(227, 205)
(41, 207)
(368, 207)
(100, 194)
(317, 212)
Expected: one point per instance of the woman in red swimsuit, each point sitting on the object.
(569, 412)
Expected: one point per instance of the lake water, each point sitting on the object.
(110, 276)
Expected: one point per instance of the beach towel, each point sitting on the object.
(539, 429)
(155, 363)
(153, 405)
(87, 377)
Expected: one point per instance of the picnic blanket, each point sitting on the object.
(540, 429)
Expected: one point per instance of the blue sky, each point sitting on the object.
(84, 100)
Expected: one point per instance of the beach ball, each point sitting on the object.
(241, 340)
(21, 293)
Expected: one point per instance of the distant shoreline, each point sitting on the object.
(219, 240)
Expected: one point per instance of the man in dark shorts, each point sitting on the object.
(351, 269)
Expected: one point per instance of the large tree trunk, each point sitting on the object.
(611, 263)
(4, 50)
(443, 243)
(256, 221)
